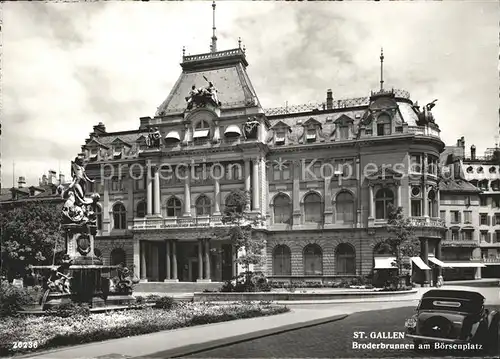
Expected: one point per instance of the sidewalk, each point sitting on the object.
(180, 342)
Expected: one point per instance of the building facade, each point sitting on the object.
(321, 178)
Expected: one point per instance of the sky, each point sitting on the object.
(68, 66)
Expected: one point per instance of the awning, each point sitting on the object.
(465, 265)
(173, 135)
(200, 133)
(232, 130)
(385, 263)
(117, 154)
(438, 262)
(420, 263)
(311, 136)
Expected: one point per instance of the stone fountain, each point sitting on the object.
(82, 277)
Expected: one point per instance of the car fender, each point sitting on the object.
(492, 315)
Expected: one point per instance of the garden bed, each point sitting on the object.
(46, 332)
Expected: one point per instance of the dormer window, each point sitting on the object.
(93, 154)
(201, 130)
(280, 137)
(383, 125)
(117, 151)
(311, 135)
(344, 132)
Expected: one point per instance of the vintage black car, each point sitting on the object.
(454, 316)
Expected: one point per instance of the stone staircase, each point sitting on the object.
(180, 287)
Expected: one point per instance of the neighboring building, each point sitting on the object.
(290, 159)
(45, 191)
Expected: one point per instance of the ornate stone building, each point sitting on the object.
(321, 178)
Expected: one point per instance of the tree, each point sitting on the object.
(240, 230)
(30, 235)
(402, 241)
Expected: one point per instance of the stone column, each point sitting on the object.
(477, 275)
(217, 196)
(437, 254)
(372, 204)
(174, 260)
(168, 265)
(137, 257)
(329, 213)
(424, 254)
(149, 192)
(255, 185)
(187, 193)
(200, 260)
(247, 179)
(207, 259)
(426, 201)
(143, 268)
(438, 199)
(105, 208)
(157, 196)
(297, 213)
(234, 257)
(399, 199)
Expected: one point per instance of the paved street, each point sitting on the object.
(332, 340)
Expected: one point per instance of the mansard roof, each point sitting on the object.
(225, 69)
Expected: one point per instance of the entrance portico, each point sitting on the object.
(167, 257)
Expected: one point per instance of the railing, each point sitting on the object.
(212, 55)
(423, 130)
(491, 260)
(173, 222)
(427, 222)
(336, 104)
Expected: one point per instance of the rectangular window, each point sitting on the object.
(454, 235)
(139, 184)
(281, 173)
(416, 163)
(483, 219)
(442, 215)
(315, 168)
(455, 216)
(416, 208)
(311, 135)
(280, 138)
(496, 202)
(368, 132)
(467, 235)
(286, 174)
(344, 132)
(380, 129)
(497, 219)
(484, 236)
(497, 237)
(116, 185)
(467, 216)
(483, 201)
(432, 165)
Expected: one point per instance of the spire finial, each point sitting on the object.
(382, 69)
(183, 51)
(214, 38)
(239, 42)
(244, 48)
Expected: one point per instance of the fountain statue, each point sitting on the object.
(81, 276)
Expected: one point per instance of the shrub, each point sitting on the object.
(69, 310)
(165, 302)
(139, 299)
(257, 283)
(13, 299)
(151, 298)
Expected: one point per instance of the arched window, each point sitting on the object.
(282, 260)
(345, 260)
(117, 257)
(141, 209)
(313, 208)
(282, 209)
(345, 207)
(99, 217)
(174, 207)
(313, 260)
(383, 199)
(433, 205)
(119, 216)
(202, 125)
(203, 206)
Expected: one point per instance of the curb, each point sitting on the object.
(214, 344)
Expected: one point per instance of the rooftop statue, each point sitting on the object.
(425, 117)
(202, 96)
(154, 138)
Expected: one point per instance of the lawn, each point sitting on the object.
(49, 331)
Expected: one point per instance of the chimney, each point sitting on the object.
(473, 152)
(52, 177)
(44, 181)
(61, 178)
(99, 129)
(461, 142)
(21, 182)
(329, 99)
